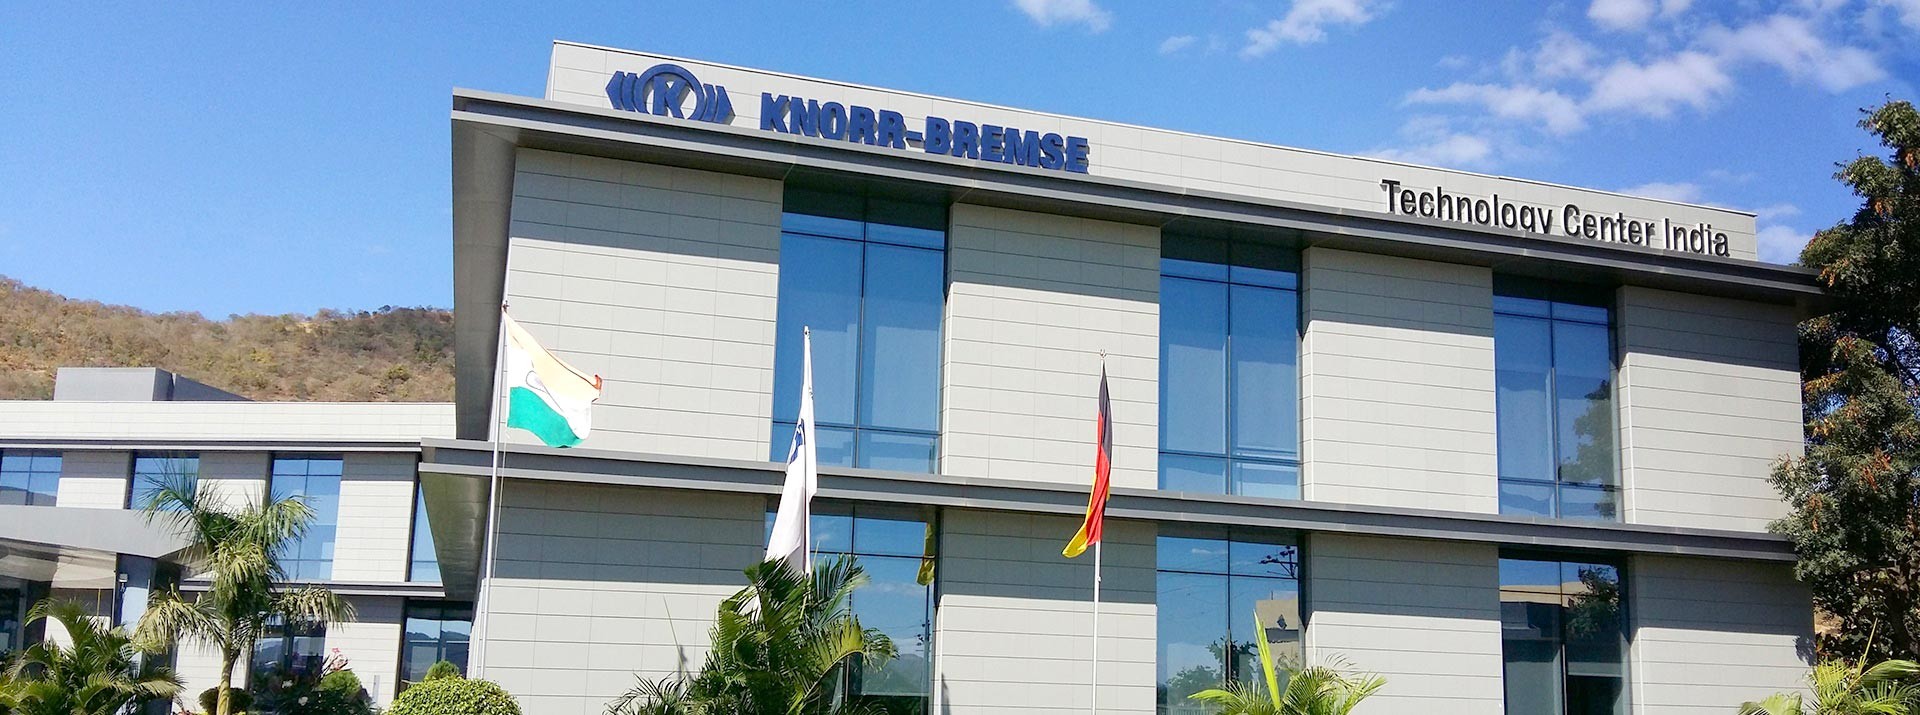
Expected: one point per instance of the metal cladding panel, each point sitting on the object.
(582, 74)
(1711, 633)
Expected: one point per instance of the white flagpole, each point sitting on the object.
(1096, 625)
(482, 612)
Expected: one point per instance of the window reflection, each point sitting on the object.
(1563, 637)
(315, 479)
(154, 471)
(434, 631)
(1553, 359)
(1229, 369)
(895, 546)
(1211, 590)
(29, 477)
(868, 276)
(425, 566)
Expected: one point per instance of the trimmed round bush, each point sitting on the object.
(239, 700)
(454, 696)
(341, 681)
(442, 669)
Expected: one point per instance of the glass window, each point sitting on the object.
(868, 277)
(29, 476)
(896, 548)
(1563, 637)
(425, 566)
(317, 480)
(1229, 369)
(153, 471)
(11, 610)
(1554, 414)
(435, 631)
(1211, 589)
(286, 652)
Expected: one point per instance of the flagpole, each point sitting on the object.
(1096, 626)
(483, 611)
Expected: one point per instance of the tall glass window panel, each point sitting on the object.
(316, 479)
(1218, 594)
(1554, 405)
(155, 471)
(29, 477)
(868, 276)
(434, 631)
(286, 652)
(425, 564)
(1563, 637)
(1229, 370)
(894, 546)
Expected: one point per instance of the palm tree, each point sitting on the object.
(239, 547)
(778, 646)
(1318, 690)
(97, 674)
(1841, 688)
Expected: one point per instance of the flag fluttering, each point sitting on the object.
(545, 395)
(792, 536)
(1090, 528)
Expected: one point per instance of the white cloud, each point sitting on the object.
(1769, 214)
(1781, 244)
(1177, 43)
(1672, 191)
(1908, 10)
(1633, 14)
(1562, 55)
(1051, 12)
(1553, 110)
(1432, 142)
(1655, 89)
(1306, 23)
(1791, 44)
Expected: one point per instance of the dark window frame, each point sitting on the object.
(1228, 536)
(445, 608)
(273, 459)
(1576, 296)
(1561, 559)
(134, 474)
(30, 496)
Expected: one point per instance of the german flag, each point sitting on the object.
(1090, 528)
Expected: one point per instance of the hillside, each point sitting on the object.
(389, 355)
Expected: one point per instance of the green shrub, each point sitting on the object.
(442, 669)
(341, 681)
(454, 696)
(241, 700)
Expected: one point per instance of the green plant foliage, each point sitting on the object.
(777, 646)
(1329, 689)
(95, 675)
(1855, 493)
(442, 669)
(242, 701)
(239, 548)
(1844, 688)
(343, 681)
(454, 696)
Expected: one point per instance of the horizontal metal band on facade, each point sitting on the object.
(473, 460)
(203, 445)
(347, 588)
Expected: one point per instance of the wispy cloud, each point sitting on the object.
(1908, 10)
(1048, 13)
(1780, 243)
(1177, 43)
(1682, 191)
(1632, 14)
(1791, 45)
(1556, 112)
(1432, 141)
(1306, 22)
(1775, 212)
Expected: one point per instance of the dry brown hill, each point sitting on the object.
(390, 355)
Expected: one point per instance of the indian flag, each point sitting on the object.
(544, 395)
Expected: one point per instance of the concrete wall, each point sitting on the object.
(1397, 382)
(1015, 617)
(199, 669)
(1172, 160)
(94, 479)
(371, 643)
(213, 422)
(1709, 399)
(237, 476)
(595, 583)
(1033, 299)
(376, 516)
(1710, 634)
(662, 281)
(1423, 614)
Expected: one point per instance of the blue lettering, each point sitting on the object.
(804, 118)
(893, 129)
(992, 143)
(939, 136)
(860, 129)
(1052, 151)
(773, 112)
(1077, 160)
(1023, 148)
(666, 95)
(966, 140)
(833, 120)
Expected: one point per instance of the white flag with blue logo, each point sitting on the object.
(792, 535)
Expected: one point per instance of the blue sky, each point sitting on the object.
(271, 157)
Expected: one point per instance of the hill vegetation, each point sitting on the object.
(391, 354)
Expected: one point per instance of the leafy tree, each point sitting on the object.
(1855, 495)
(1841, 688)
(778, 646)
(96, 675)
(240, 548)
